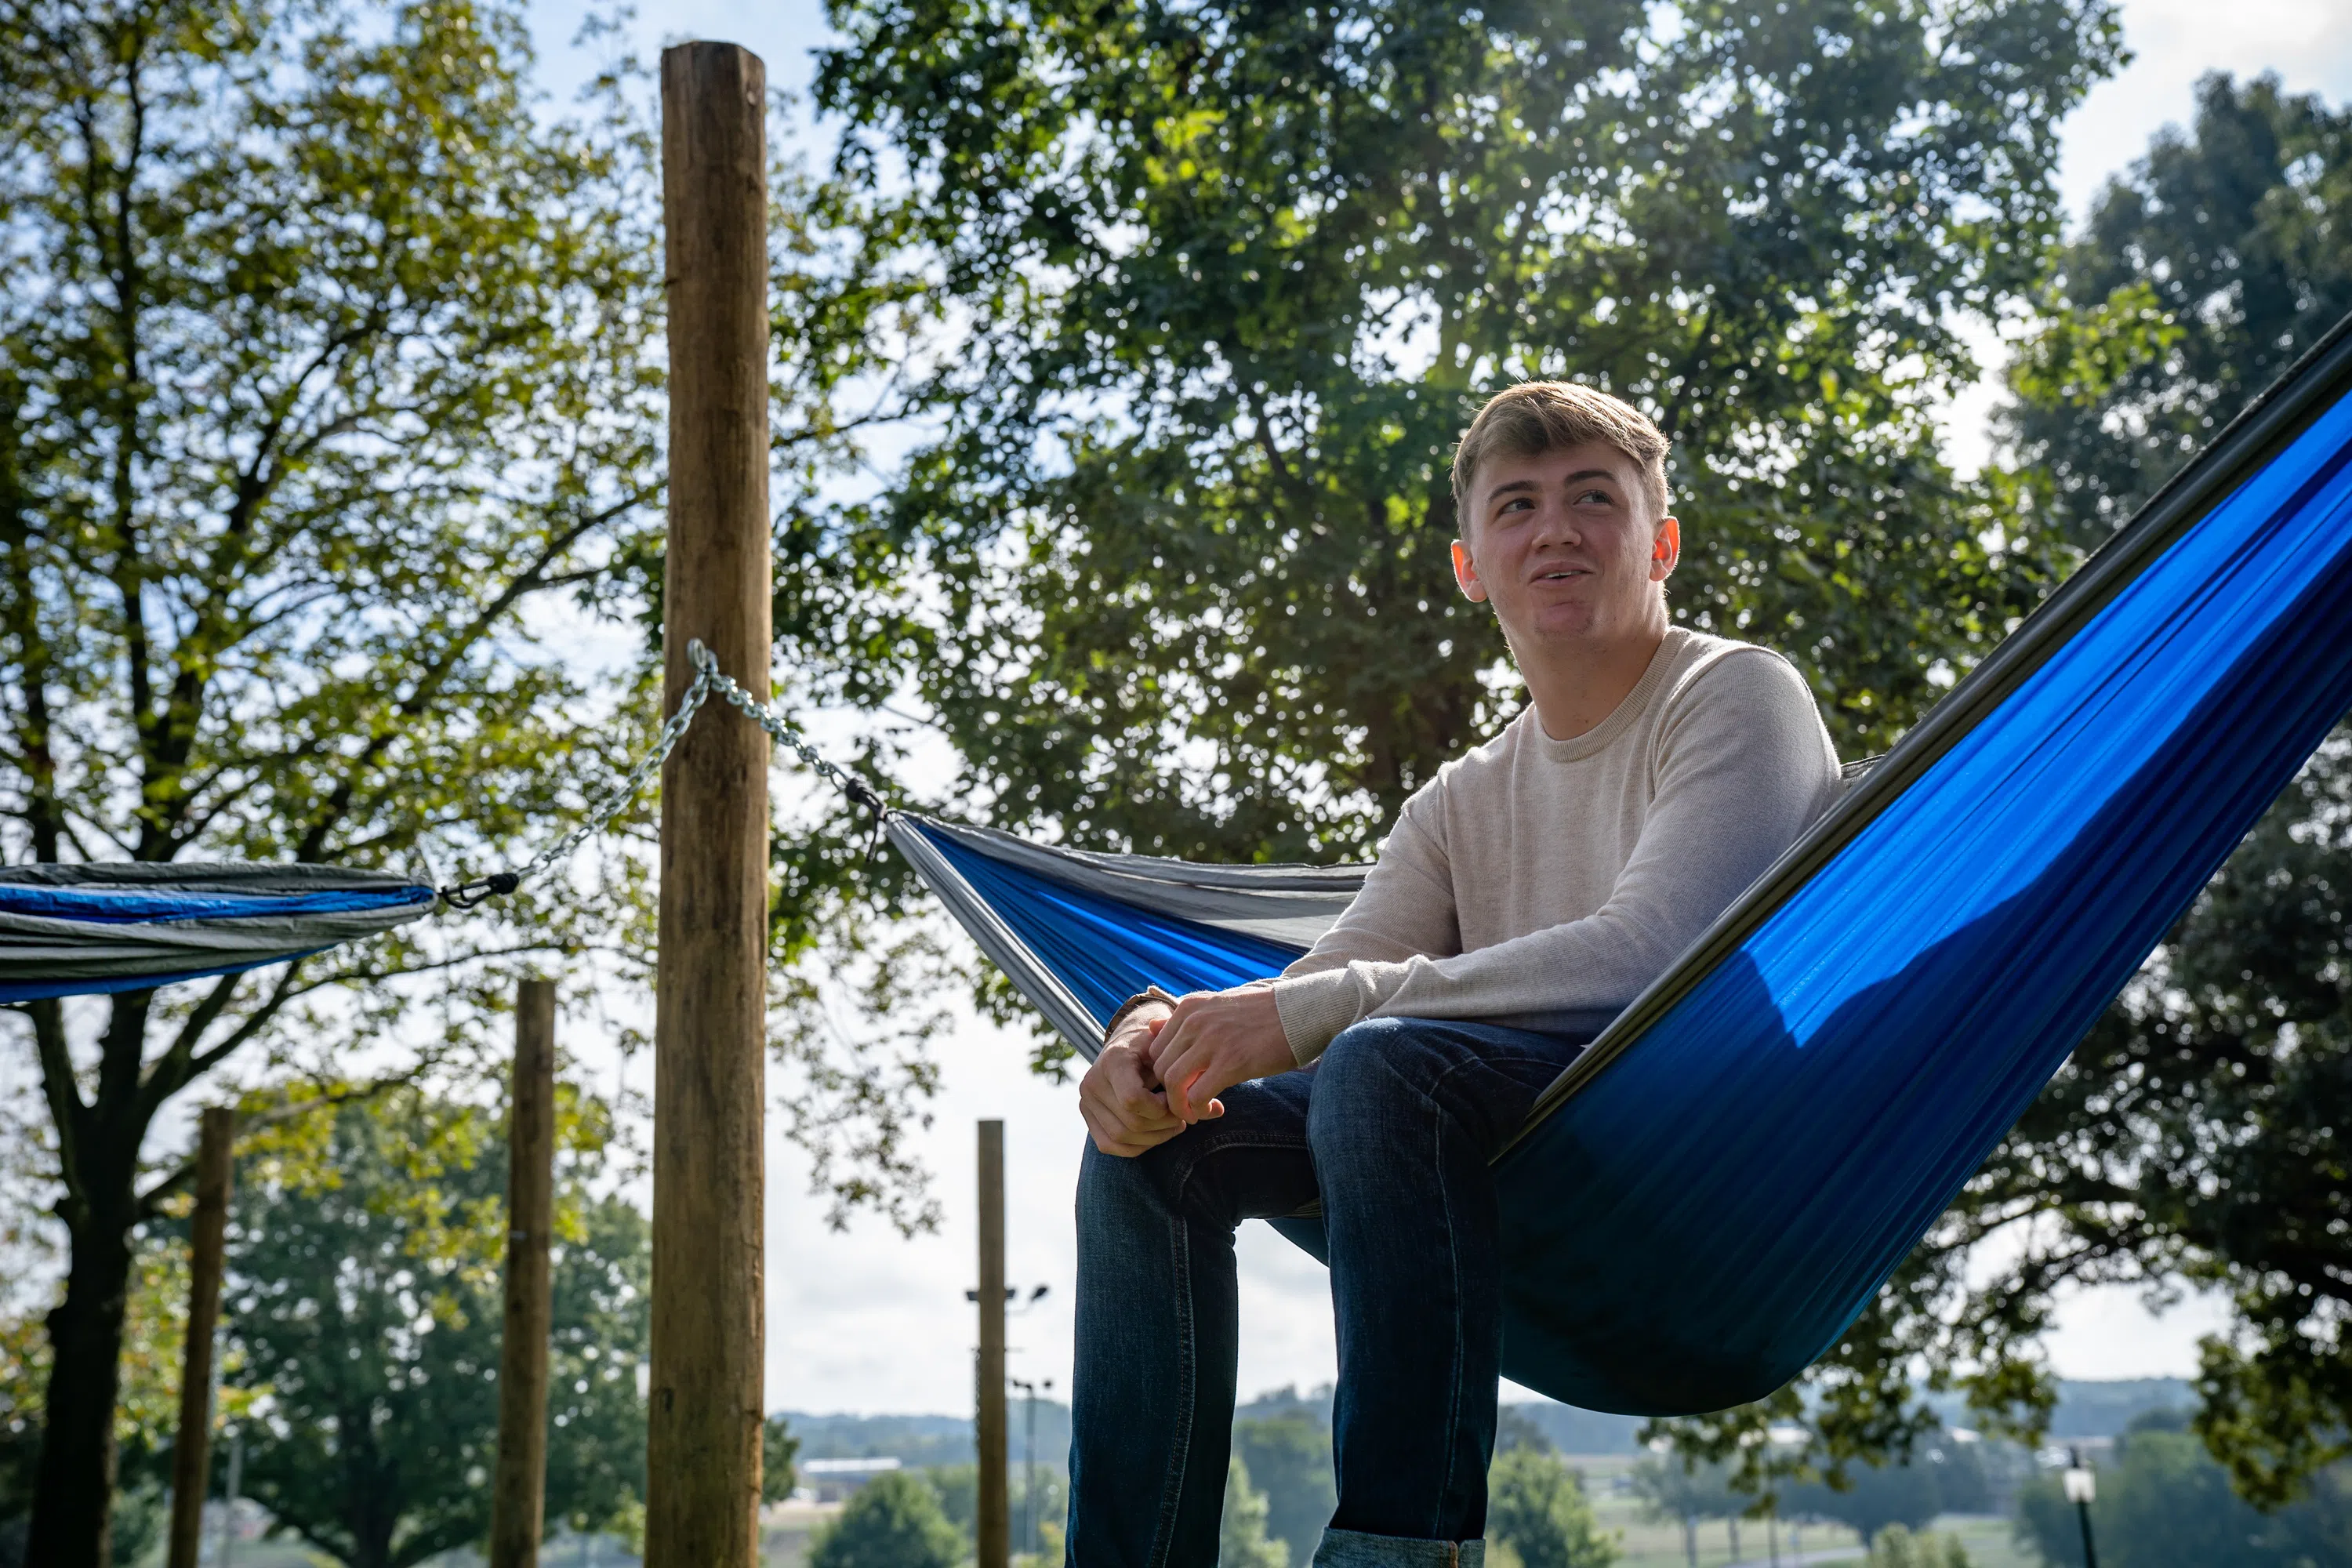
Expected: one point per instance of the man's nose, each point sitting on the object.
(1555, 524)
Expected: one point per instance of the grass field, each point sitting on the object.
(1648, 1544)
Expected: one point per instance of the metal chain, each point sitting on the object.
(786, 733)
(707, 677)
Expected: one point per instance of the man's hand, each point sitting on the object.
(1214, 1040)
(1120, 1096)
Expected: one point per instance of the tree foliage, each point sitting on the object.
(894, 1522)
(322, 359)
(2204, 271)
(1537, 1507)
(1288, 1457)
(2196, 1136)
(2164, 1503)
(1242, 1538)
(330, 414)
(1231, 278)
(365, 1303)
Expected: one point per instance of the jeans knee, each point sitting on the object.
(1367, 1068)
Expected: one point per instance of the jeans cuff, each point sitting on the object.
(1354, 1549)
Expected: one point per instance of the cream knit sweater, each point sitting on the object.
(1543, 883)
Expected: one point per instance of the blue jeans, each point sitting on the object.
(1390, 1132)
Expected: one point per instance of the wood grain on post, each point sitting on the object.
(519, 1486)
(192, 1451)
(995, 1522)
(702, 1491)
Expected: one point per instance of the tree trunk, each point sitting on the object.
(71, 1527)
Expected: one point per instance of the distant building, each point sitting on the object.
(834, 1480)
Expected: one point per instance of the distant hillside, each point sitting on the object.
(1571, 1430)
(919, 1440)
(2086, 1409)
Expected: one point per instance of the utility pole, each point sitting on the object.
(192, 1452)
(519, 1488)
(994, 1526)
(2082, 1483)
(702, 1492)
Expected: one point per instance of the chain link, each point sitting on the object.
(785, 732)
(707, 677)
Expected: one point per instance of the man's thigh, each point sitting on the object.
(1483, 1078)
(1252, 1163)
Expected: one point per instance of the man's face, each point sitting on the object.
(1563, 546)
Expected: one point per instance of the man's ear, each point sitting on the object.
(1465, 573)
(1665, 549)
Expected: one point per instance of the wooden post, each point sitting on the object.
(996, 1525)
(519, 1486)
(192, 1452)
(702, 1490)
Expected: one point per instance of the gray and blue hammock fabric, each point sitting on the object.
(1708, 1197)
(77, 929)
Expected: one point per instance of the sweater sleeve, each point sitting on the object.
(1405, 909)
(1743, 767)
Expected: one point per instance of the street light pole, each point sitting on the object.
(2082, 1483)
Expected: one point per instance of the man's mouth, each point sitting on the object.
(1563, 575)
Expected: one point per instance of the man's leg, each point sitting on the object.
(1152, 1412)
(1405, 1115)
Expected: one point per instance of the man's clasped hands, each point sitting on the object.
(1163, 1067)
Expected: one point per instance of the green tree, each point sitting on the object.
(1897, 1547)
(328, 367)
(957, 1489)
(1242, 1538)
(1872, 1497)
(1231, 277)
(1288, 1458)
(894, 1522)
(778, 1449)
(1685, 1491)
(2203, 271)
(2165, 1503)
(364, 1308)
(2196, 1135)
(322, 358)
(1536, 1506)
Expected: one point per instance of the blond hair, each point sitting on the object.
(1537, 416)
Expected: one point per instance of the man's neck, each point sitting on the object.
(1575, 687)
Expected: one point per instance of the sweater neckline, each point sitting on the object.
(1623, 717)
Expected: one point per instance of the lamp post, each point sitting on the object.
(2082, 1483)
(1029, 1454)
(1015, 1305)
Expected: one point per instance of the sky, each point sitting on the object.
(865, 1321)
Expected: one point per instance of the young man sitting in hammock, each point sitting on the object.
(1522, 898)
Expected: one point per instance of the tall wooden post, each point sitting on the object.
(519, 1486)
(702, 1491)
(192, 1452)
(995, 1531)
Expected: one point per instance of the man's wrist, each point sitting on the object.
(1152, 997)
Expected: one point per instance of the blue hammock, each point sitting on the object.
(77, 929)
(1704, 1201)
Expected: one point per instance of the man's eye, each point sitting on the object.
(1601, 496)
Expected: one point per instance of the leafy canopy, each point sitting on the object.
(364, 1305)
(325, 364)
(1537, 1507)
(2196, 1135)
(894, 1522)
(1231, 278)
